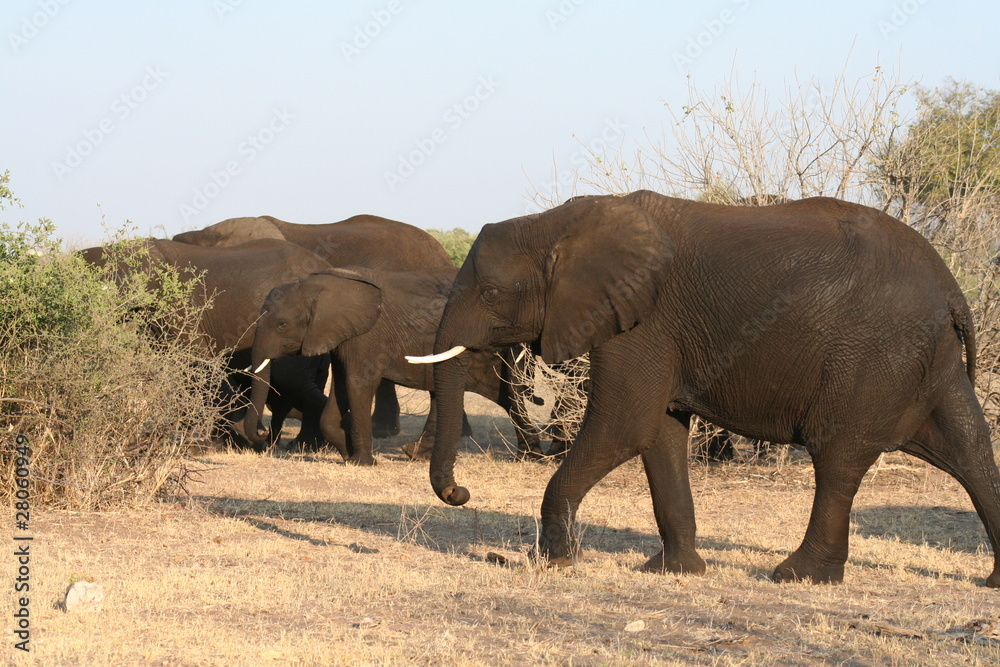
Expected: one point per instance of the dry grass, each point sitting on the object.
(304, 561)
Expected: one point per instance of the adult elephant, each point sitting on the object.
(368, 321)
(361, 240)
(816, 322)
(236, 280)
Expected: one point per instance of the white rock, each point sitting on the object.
(84, 596)
(635, 626)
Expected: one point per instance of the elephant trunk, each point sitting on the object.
(258, 395)
(449, 394)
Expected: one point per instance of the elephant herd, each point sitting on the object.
(352, 296)
(815, 322)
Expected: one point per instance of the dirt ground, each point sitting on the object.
(301, 560)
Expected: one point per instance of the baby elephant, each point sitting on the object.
(369, 320)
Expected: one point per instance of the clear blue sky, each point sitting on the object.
(441, 114)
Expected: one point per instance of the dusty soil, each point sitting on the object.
(302, 560)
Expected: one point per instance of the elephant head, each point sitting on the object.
(309, 316)
(565, 280)
(233, 231)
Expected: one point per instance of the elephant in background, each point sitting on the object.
(361, 240)
(369, 320)
(236, 280)
(815, 322)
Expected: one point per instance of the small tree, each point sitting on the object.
(109, 407)
(456, 243)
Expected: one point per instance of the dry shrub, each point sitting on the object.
(97, 375)
(936, 168)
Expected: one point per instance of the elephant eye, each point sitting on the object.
(489, 292)
(282, 325)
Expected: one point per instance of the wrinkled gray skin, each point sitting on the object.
(816, 322)
(238, 280)
(361, 240)
(369, 320)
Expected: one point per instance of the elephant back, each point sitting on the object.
(369, 241)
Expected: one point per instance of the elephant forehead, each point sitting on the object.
(497, 265)
(282, 295)
(501, 254)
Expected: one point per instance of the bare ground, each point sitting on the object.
(302, 560)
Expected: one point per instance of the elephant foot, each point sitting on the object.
(993, 581)
(529, 452)
(562, 550)
(798, 568)
(385, 430)
(362, 460)
(534, 556)
(307, 445)
(420, 449)
(688, 563)
(558, 449)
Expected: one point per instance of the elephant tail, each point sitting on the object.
(961, 317)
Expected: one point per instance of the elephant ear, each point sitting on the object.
(347, 304)
(604, 275)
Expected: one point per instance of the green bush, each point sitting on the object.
(100, 375)
(456, 243)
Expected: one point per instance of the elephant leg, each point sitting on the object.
(529, 445)
(720, 447)
(513, 398)
(385, 419)
(622, 420)
(839, 467)
(311, 400)
(280, 408)
(956, 439)
(334, 419)
(558, 448)
(310, 436)
(361, 395)
(331, 424)
(670, 488)
(420, 449)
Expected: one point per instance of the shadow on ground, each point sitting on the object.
(439, 528)
(470, 531)
(940, 527)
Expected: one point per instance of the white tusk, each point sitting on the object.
(435, 358)
(520, 356)
(261, 367)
